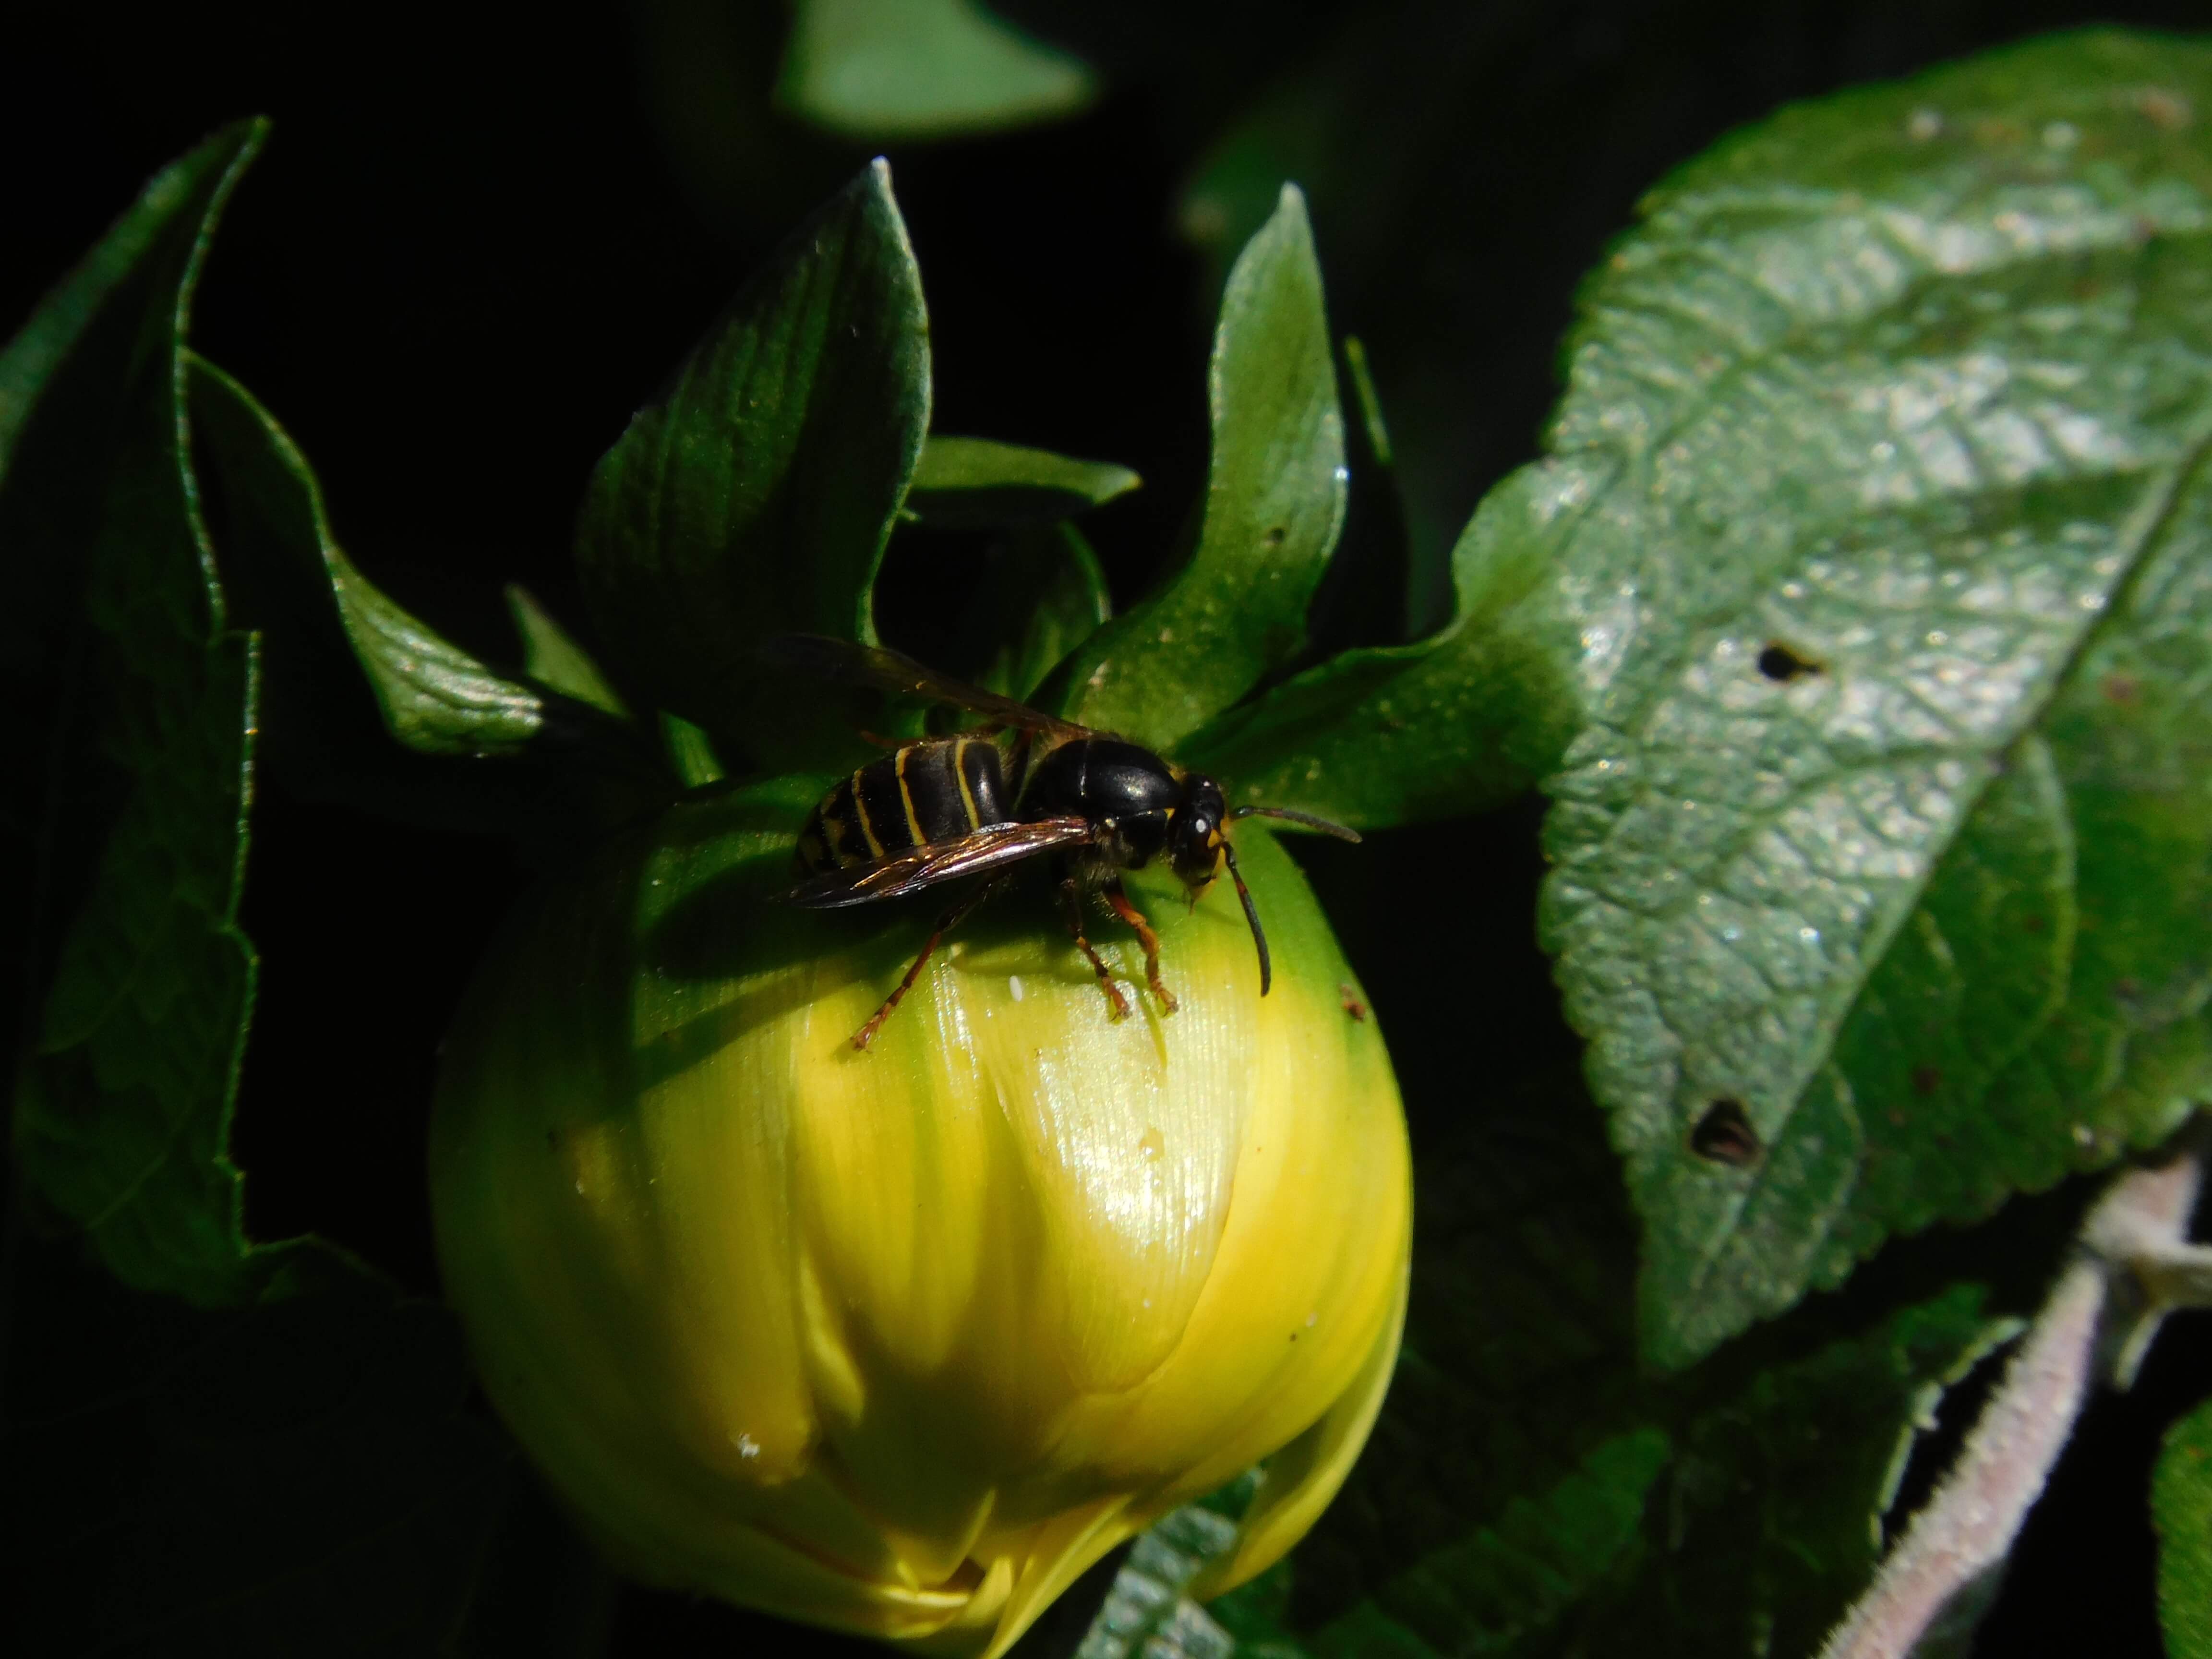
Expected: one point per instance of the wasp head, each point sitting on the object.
(1198, 833)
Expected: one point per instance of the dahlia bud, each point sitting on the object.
(900, 1341)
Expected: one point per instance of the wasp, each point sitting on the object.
(934, 809)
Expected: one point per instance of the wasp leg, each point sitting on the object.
(945, 923)
(1071, 894)
(1118, 897)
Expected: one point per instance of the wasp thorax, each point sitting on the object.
(900, 1342)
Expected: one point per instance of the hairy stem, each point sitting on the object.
(2131, 1264)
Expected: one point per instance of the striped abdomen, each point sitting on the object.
(925, 793)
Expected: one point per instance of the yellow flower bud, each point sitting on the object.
(901, 1341)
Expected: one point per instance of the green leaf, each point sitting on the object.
(1768, 1521)
(553, 659)
(754, 497)
(435, 697)
(1369, 403)
(205, 1444)
(1882, 428)
(1041, 596)
(973, 484)
(690, 751)
(1445, 726)
(1274, 504)
(922, 69)
(1363, 601)
(1457, 723)
(349, 673)
(2181, 1509)
(1486, 1591)
(139, 978)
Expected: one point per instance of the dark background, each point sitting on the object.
(472, 248)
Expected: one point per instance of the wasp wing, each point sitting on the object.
(881, 669)
(917, 867)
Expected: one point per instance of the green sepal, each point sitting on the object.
(691, 752)
(351, 673)
(551, 656)
(754, 497)
(1457, 723)
(1274, 504)
(977, 483)
(1043, 594)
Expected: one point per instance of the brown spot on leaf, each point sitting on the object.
(1927, 1080)
(2164, 108)
(1782, 665)
(2121, 688)
(1724, 1135)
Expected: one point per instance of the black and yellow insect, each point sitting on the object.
(936, 809)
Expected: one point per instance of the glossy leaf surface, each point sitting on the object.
(754, 496)
(1455, 723)
(1877, 520)
(553, 658)
(1274, 504)
(974, 483)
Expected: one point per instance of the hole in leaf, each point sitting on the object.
(1782, 665)
(1724, 1135)
(1274, 536)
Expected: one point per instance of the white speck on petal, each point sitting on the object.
(1014, 987)
(748, 1447)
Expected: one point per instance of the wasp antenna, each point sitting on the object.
(1326, 826)
(1259, 938)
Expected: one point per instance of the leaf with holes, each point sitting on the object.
(1872, 532)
